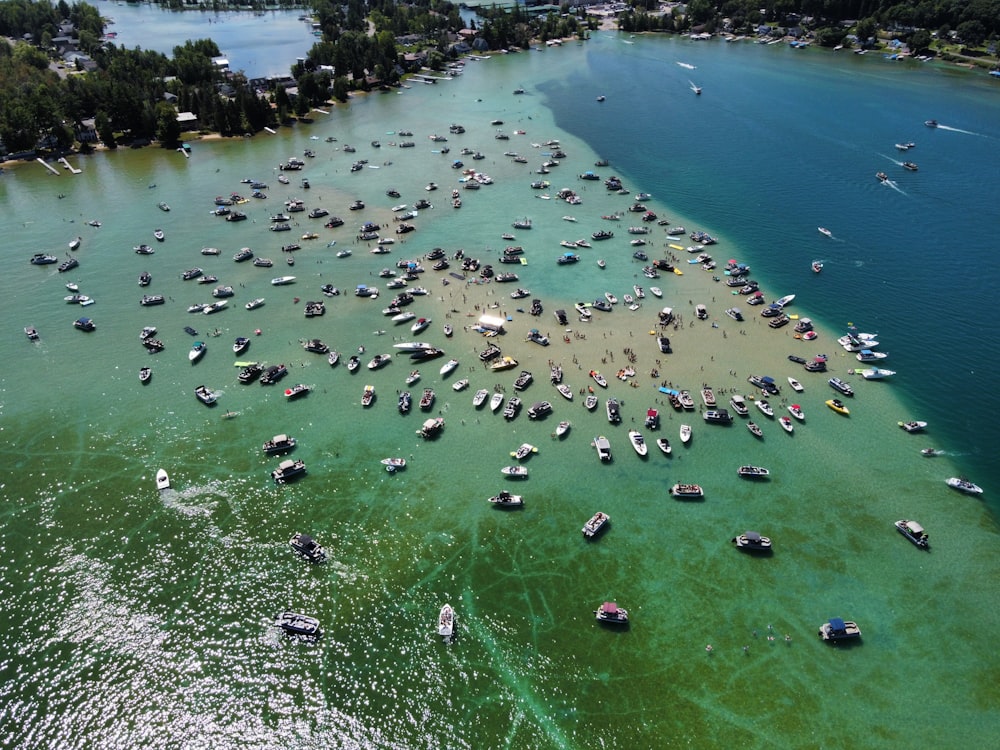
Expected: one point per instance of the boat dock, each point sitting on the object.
(48, 166)
(269, 130)
(69, 166)
(321, 111)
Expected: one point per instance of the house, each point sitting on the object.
(187, 120)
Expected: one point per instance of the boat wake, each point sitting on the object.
(689, 66)
(894, 186)
(958, 130)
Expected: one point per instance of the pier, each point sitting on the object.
(69, 166)
(48, 166)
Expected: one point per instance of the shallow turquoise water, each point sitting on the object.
(138, 618)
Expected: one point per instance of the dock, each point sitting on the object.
(69, 166)
(269, 130)
(321, 111)
(48, 166)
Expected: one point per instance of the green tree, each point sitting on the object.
(102, 124)
(168, 130)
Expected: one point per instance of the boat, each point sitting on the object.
(480, 397)
(838, 406)
(910, 166)
(685, 433)
(638, 442)
(708, 396)
(241, 344)
(420, 325)
(427, 399)
(504, 363)
(753, 472)
(159, 235)
(431, 427)
(197, 351)
(687, 490)
(656, 291)
(613, 411)
(505, 499)
(297, 390)
(912, 426)
(765, 408)
(495, 401)
(510, 411)
(839, 630)
(448, 367)
(839, 385)
(786, 424)
(796, 411)
(875, 373)
(145, 373)
(717, 416)
(308, 547)
(664, 445)
(278, 444)
(299, 624)
(32, 333)
(739, 405)
(599, 379)
(964, 485)
(867, 355)
(282, 280)
(914, 532)
(590, 402)
(203, 394)
(817, 266)
(368, 395)
(824, 230)
(795, 384)
(515, 472)
(162, 480)
(596, 524)
(931, 123)
(379, 360)
(752, 541)
(755, 429)
(446, 621)
(603, 448)
(611, 614)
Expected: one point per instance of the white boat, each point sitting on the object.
(368, 395)
(599, 379)
(786, 300)
(656, 291)
(523, 451)
(255, 303)
(420, 325)
(795, 384)
(603, 448)
(638, 442)
(403, 317)
(796, 411)
(867, 355)
(517, 472)
(687, 490)
(378, 361)
(875, 373)
(964, 485)
(480, 398)
(505, 499)
(685, 433)
(197, 351)
(565, 391)
(446, 621)
(162, 480)
(412, 346)
(561, 429)
(913, 425)
(460, 385)
(495, 400)
(664, 445)
(448, 366)
(824, 230)
(765, 408)
(596, 523)
(394, 463)
(786, 424)
(282, 280)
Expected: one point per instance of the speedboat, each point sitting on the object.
(394, 463)
(795, 384)
(685, 433)
(875, 373)
(515, 472)
(495, 401)
(203, 394)
(505, 499)
(638, 442)
(752, 541)
(254, 303)
(460, 385)
(755, 429)
(378, 361)
(838, 406)
(162, 480)
(839, 385)
(297, 390)
(664, 445)
(687, 490)
(914, 532)
(753, 472)
(448, 367)
(912, 426)
(739, 405)
(368, 395)
(824, 230)
(282, 280)
(786, 424)
(562, 428)
(964, 485)
(308, 547)
(796, 411)
(420, 325)
(612, 614)
(603, 448)
(299, 624)
(197, 351)
(480, 398)
(839, 630)
(765, 408)
(599, 379)
(241, 344)
(590, 402)
(446, 621)
(595, 524)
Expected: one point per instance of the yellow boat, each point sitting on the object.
(838, 406)
(678, 271)
(676, 247)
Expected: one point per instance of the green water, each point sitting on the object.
(138, 618)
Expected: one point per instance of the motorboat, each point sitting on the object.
(786, 424)
(446, 621)
(333, 357)
(664, 445)
(755, 429)
(539, 409)
(241, 344)
(825, 231)
(299, 624)
(255, 303)
(867, 355)
(448, 367)
(431, 427)
(597, 523)
(460, 385)
(296, 391)
(368, 395)
(197, 351)
(565, 391)
(590, 402)
(603, 448)
(282, 280)
(765, 408)
(753, 472)
(504, 363)
(964, 485)
(795, 384)
(875, 373)
(839, 630)
(739, 405)
(203, 394)
(420, 325)
(796, 411)
(638, 442)
(838, 406)
(914, 532)
(684, 491)
(250, 373)
(512, 408)
(505, 499)
(685, 433)
(273, 374)
(686, 401)
(162, 480)
(613, 410)
(752, 541)
(930, 452)
(379, 360)
(480, 397)
(308, 547)
(495, 401)
(515, 472)
(611, 614)
(393, 464)
(599, 379)
(279, 444)
(912, 426)
(839, 385)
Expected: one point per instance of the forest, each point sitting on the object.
(134, 95)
